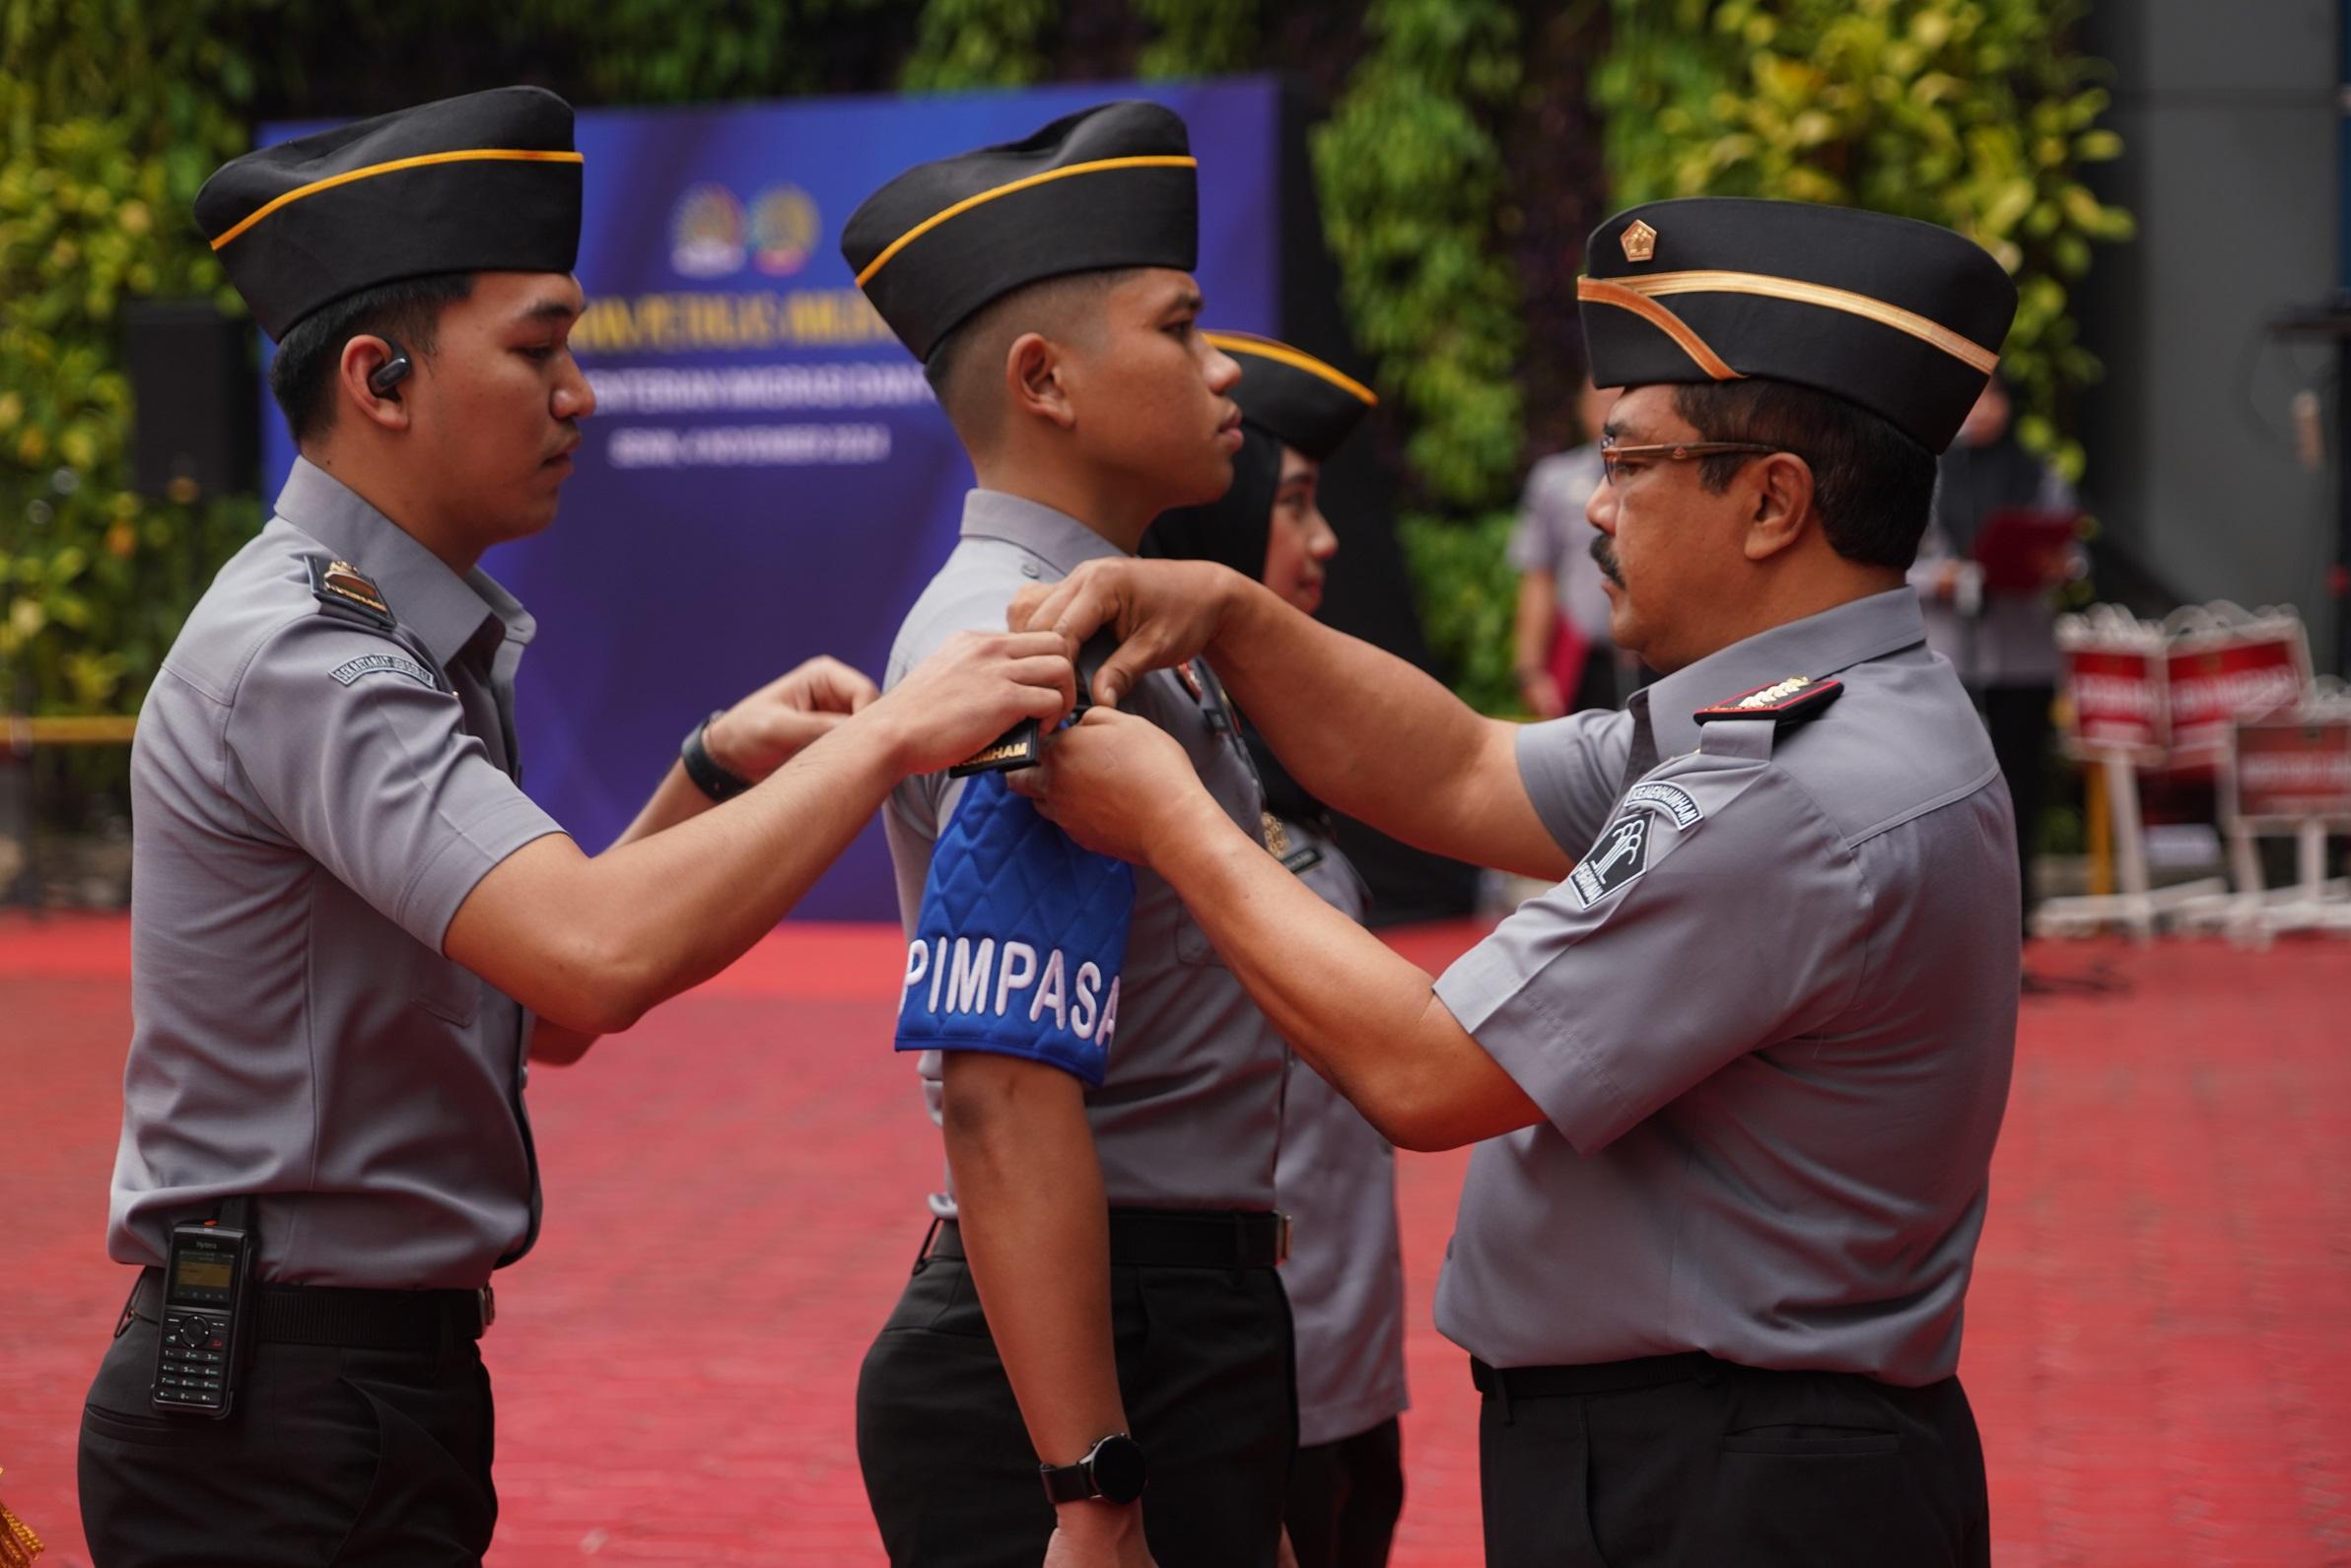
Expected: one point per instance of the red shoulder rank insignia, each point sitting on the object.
(340, 586)
(1788, 701)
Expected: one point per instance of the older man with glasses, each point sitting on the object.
(1735, 1080)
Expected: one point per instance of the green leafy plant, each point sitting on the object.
(1198, 37)
(108, 138)
(971, 43)
(1411, 176)
(1977, 114)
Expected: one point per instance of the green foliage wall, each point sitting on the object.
(1971, 113)
(1977, 114)
(115, 111)
(1412, 177)
(968, 44)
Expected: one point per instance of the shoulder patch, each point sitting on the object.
(1621, 854)
(344, 590)
(352, 669)
(1788, 701)
(1670, 798)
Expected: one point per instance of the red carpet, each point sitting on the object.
(2158, 1343)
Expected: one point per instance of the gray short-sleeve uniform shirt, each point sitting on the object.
(316, 789)
(1769, 1020)
(1336, 1180)
(1190, 1109)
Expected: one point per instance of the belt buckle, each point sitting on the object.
(486, 1298)
(1280, 1238)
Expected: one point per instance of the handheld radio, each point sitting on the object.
(209, 1303)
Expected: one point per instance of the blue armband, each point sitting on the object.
(1020, 940)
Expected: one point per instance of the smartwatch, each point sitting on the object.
(709, 778)
(1113, 1472)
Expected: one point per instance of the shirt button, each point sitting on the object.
(1029, 568)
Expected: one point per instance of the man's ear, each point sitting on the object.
(362, 358)
(1782, 502)
(1034, 383)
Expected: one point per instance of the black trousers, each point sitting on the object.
(2018, 719)
(1345, 1497)
(1763, 1469)
(1204, 1363)
(375, 1457)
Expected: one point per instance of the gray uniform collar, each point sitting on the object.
(1058, 539)
(444, 611)
(1820, 644)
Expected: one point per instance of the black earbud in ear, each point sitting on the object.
(385, 378)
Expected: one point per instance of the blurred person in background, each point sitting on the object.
(2001, 640)
(1566, 660)
(1336, 1176)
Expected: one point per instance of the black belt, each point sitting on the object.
(1601, 1377)
(350, 1318)
(1170, 1238)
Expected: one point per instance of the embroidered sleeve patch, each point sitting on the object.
(352, 669)
(1621, 856)
(1670, 798)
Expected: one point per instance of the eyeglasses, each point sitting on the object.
(1613, 458)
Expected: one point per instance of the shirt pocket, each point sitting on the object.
(1192, 945)
(447, 990)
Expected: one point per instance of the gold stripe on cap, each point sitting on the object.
(1296, 359)
(469, 155)
(1098, 165)
(1610, 292)
(1966, 351)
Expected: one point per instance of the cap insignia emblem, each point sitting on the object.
(1639, 241)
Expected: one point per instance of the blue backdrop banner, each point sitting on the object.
(766, 476)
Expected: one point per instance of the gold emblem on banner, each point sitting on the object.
(1639, 241)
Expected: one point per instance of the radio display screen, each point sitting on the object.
(198, 1278)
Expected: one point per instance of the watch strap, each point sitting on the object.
(1069, 1483)
(709, 778)
(1085, 1480)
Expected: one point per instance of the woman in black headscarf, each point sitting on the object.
(1335, 1176)
(1269, 525)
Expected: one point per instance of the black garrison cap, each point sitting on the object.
(1904, 319)
(487, 182)
(1107, 187)
(1293, 396)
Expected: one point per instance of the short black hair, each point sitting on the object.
(1045, 305)
(407, 311)
(1872, 484)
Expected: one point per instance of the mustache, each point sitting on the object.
(1603, 555)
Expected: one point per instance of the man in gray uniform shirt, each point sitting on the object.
(1096, 1303)
(349, 925)
(1736, 1078)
